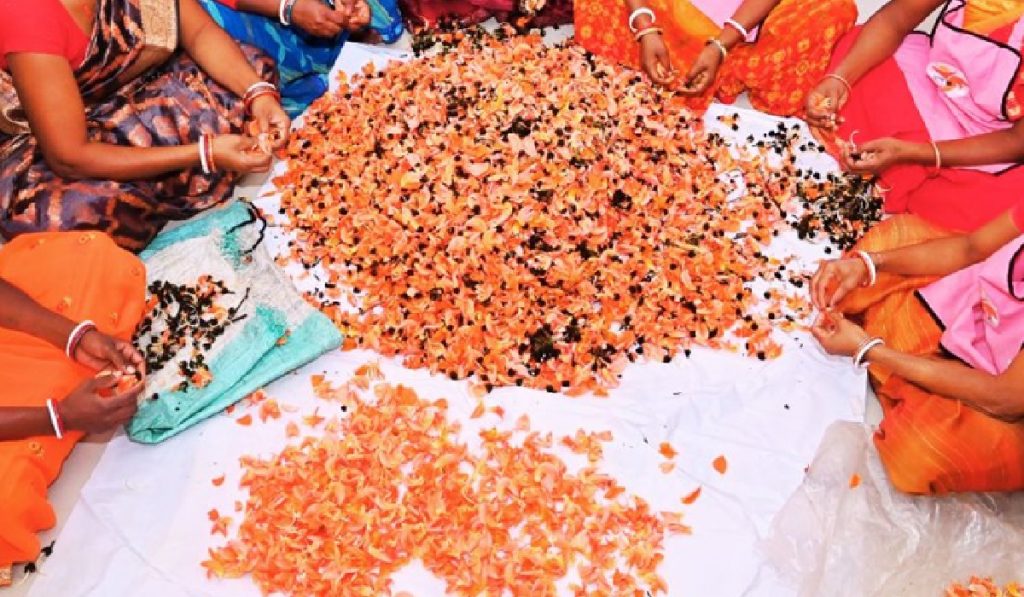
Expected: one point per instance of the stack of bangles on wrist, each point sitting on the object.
(284, 11)
(256, 90)
(75, 337)
(206, 153)
(862, 352)
(55, 421)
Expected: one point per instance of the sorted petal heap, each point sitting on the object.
(984, 587)
(532, 215)
(181, 324)
(391, 483)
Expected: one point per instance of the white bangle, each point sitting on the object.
(280, 13)
(258, 85)
(743, 30)
(636, 13)
(721, 47)
(870, 264)
(53, 419)
(73, 337)
(862, 352)
(202, 154)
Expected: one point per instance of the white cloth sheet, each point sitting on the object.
(140, 527)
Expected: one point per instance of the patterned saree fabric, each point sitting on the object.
(103, 283)
(786, 61)
(929, 444)
(165, 102)
(303, 61)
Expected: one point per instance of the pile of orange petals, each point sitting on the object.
(530, 215)
(339, 514)
(984, 587)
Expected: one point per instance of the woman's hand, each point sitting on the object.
(317, 19)
(703, 72)
(85, 409)
(100, 352)
(838, 335)
(824, 103)
(877, 156)
(269, 124)
(359, 14)
(237, 153)
(835, 279)
(654, 59)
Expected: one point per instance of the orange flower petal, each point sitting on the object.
(720, 464)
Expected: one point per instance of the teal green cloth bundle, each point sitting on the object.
(272, 332)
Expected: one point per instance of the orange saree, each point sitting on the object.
(929, 444)
(82, 275)
(778, 70)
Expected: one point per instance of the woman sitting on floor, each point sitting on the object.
(53, 286)
(775, 50)
(943, 329)
(113, 130)
(303, 36)
(937, 117)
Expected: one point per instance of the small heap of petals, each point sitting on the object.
(340, 513)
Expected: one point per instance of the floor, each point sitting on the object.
(83, 459)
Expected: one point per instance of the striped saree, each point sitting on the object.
(929, 444)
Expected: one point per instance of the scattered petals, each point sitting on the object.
(720, 465)
(692, 496)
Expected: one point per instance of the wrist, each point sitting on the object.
(729, 37)
(917, 153)
(643, 22)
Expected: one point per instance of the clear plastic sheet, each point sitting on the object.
(870, 540)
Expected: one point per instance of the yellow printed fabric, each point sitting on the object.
(985, 16)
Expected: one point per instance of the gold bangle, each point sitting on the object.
(721, 47)
(841, 79)
(640, 34)
(938, 159)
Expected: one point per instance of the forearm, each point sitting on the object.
(882, 35)
(263, 7)
(993, 395)
(21, 313)
(1000, 147)
(750, 14)
(943, 256)
(938, 257)
(17, 422)
(122, 163)
(221, 58)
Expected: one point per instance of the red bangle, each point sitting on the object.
(252, 97)
(76, 337)
(208, 147)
